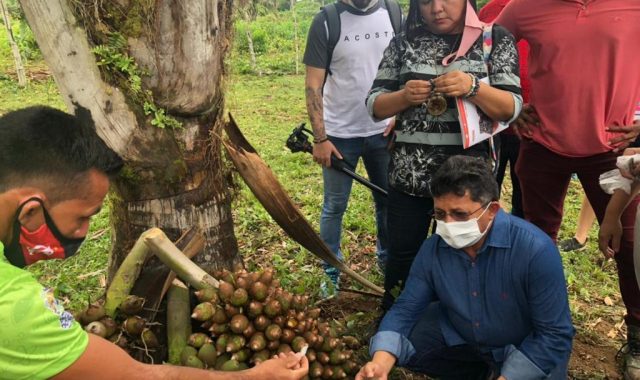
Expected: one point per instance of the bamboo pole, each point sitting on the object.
(178, 320)
(126, 276)
(190, 250)
(169, 254)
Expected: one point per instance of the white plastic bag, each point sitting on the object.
(612, 180)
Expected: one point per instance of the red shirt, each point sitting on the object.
(583, 68)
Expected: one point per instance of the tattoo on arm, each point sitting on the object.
(315, 111)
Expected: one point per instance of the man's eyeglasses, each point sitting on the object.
(458, 216)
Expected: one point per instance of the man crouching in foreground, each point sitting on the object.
(486, 295)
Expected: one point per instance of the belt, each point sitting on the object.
(427, 138)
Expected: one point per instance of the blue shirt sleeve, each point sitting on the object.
(549, 343)
(418, 293)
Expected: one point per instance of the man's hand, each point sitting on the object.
(390, 127)
(629, 133)
(454, 83)
(633, 172)
(522, 125)
(609, 237)
(289, 366)
(372, 371)
(322, 153)
(416, 92)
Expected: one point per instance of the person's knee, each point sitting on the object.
(335, 202)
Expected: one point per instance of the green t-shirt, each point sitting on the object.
(38, 339)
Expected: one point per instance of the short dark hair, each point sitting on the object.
(460, 174)
(45, 147)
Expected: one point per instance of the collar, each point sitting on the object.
(499, 235)
(471, 32)
(359, 12)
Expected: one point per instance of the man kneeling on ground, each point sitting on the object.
(54, 176)
(486, 296)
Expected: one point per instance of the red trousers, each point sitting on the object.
(544, 178)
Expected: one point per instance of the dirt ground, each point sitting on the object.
(593, 355)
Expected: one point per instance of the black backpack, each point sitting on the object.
(333, 24)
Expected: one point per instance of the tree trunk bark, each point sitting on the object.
(17, 58)
(174, 177)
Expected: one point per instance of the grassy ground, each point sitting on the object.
(267, 109)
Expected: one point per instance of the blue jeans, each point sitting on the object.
(463, 362)
(337, 188)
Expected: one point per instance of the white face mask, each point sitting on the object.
(462, 234)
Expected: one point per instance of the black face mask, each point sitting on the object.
(45, 243)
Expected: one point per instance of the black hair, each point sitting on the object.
(460, 174)
(54, 150)
(413, 24)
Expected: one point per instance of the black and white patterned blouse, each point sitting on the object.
(412, 165)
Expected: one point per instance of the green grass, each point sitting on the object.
(267, 109)
(41, 89)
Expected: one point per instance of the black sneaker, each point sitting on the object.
(572, 245)
(631, 351)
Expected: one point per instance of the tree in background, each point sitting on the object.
(17, 58)
(151, 72)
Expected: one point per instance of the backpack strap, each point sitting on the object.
(487, 45)
(395, 15)
(333, 29)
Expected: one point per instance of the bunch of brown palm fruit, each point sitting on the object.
(250, 318)
(127, 329)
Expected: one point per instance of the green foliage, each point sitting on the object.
(22, 33)
(275, 36)
(114, 58)
(27, 42)
(159, 117)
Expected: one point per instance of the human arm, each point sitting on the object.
(414, 93)
(391, 343)
(323, 149)
(509, 18)
(387, 86)
(39, 339)
(610, 232)
(316, 61)
(390, 127)
(378, 368)
(628, 134)
(522, 125)
(91, 365)
(549, 342)
(499, 97)
(496, 103)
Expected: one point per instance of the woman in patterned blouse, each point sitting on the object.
(438, 57)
